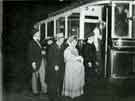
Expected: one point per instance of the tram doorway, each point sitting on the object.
(94, 25)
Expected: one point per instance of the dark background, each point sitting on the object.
(18, 20)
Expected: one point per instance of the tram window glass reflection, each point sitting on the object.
(50, 29)
(73, 24)
(133, 27)
(121, 21)
(88, 28)
(60, 25)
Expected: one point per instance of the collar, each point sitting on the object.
(38, 43)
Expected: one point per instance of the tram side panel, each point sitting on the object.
(122, 48)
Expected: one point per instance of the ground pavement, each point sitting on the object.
(95, 90)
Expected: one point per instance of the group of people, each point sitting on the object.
(59, 67)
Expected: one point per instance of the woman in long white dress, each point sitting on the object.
(74, 70)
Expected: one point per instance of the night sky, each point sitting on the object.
(18, 20)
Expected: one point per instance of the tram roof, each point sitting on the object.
(81, 3)
(78, 4)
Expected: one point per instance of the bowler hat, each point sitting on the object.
(90, 34)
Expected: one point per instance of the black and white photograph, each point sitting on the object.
(67, 50)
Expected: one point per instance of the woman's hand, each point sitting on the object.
(80, 59)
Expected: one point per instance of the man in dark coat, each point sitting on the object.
(35, 58)
(89, 54)
(35, 52)
(55, 68)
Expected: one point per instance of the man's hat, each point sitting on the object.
(89, 35)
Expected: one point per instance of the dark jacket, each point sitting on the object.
(89, 54)
(35, 54)
(54, 79)
(55, 56)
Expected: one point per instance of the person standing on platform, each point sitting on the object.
(37, 64)
(89, 55)
(98, 41)
(74, 71)
(55, 68)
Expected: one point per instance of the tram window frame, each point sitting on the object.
(114, 34)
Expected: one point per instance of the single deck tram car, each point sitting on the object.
(117, 19)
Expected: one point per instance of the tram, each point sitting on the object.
(118, 36)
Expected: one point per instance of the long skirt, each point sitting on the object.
(73, 80)
(42, 72)
(38, 78)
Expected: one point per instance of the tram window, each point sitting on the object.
(133, 27)
(89, 27)
(50, 29)
(42, 30)
(60, 25)
(121, 22)
(73, 24)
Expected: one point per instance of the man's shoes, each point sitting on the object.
(51, 99)
(33, 94)
(36, 94)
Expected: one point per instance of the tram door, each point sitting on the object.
(93, 26)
